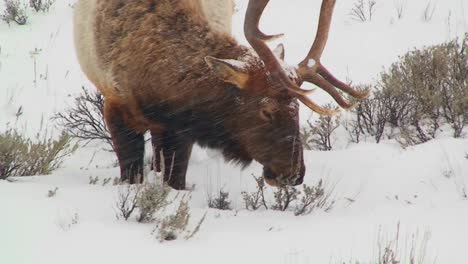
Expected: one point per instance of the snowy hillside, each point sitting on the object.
(377, 187)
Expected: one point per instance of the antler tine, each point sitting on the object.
(252, 20)
(327, 87)
(257, 39)
(341, 85)
(311, 69)
(316, 108)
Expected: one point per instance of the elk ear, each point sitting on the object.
(279, 51)
(231, 71)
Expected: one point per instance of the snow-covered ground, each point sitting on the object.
(423, 188)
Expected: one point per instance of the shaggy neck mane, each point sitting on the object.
(206, 122)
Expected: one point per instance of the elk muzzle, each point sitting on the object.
(292, 178)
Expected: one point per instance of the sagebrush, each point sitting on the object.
(319, 134)
(303, 201)
(219, 201)
(22, 156)
(151, 199)
(418, 97)
(41, 5)
(171, 226)
(154, 203)
(255, 200)
(14, 12)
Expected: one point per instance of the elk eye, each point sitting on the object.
(267, 115)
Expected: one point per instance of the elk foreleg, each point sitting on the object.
(128, 143)
(174, 154)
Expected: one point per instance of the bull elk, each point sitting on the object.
(172, 67)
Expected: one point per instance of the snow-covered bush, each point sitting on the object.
(425, 90)
(127, 198)
(219, 201)
(85, 120)
(313, 197)
(21, 156)
(255, 200)
(151, 199)
(14, 11)
(286, 198)
(171, 226)
(41, 5)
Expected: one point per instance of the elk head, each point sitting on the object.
(269, 89)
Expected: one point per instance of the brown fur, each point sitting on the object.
(154, 53)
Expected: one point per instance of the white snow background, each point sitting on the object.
(421, 187)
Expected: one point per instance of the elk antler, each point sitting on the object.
(310, 69)
(257, 39)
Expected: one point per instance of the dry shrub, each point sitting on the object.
(171, 226)
(318, 135)
(313, 197)
(15, 12)
(255, 200)
(390, 251)
(127, 200)
(21, 156)
(284, 196)
(400, 6)
(175, 225)
(370, 118)
(93, 180)
(52, 193)
(220, 201)
(41, 5)
(417, 96)
(151, 199)
(363, 10)
(428, 12)
(85, 120)
(304, 201)
(147, 198)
